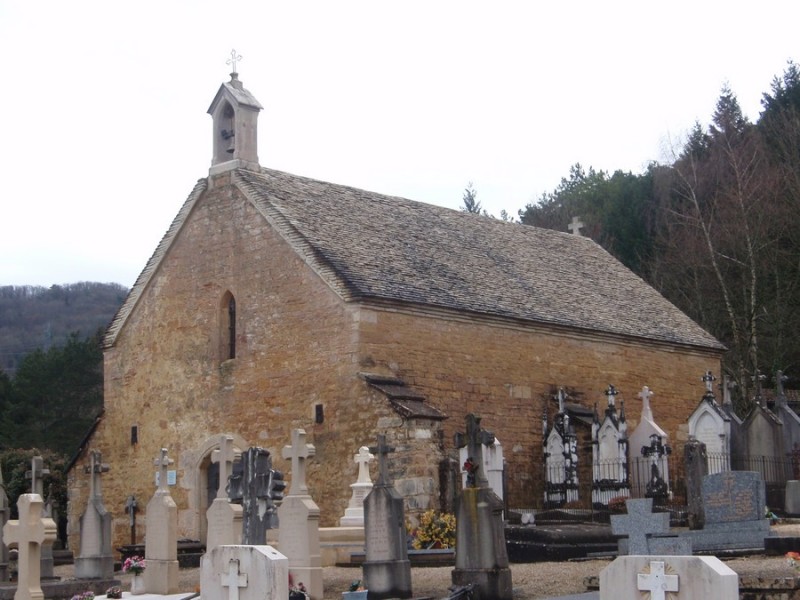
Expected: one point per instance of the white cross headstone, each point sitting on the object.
(163, 462)
(362, 459)
(225, 456)
(233, 580)
(298, 452)
(657, 582)
(29, 533)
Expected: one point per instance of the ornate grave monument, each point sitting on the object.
(354, 513)
(481, 555)
(161, 535)
(561, 457)
(298, 515)
(257, 489)
(710, 424)
(224, 518)
(610, 452)
(95, 560)
(649, 446)
(29, 534)
(387, 570)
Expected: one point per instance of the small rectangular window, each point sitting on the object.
(319, 414)
(134, 434)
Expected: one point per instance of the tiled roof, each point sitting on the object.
(371, 246)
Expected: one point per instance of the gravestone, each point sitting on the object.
(29, 534)
(131, 508)
(5, 514)
(610, 475)
(481, 555)
(161, 535)
(224, 518)
(387, 570)
(257, 489)
(244, 573)
(647, 532)
(354, 513)
(493, 465)
(710, 424)
(696, 468)
(36, 475)
(649, 445)
(668, 578)
(95, 560)
(561, 458)
(298, 515)
(734, 503)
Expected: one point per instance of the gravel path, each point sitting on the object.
(530, 581)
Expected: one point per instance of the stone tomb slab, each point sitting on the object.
(733, 496)
(244, 573)
(668, 577)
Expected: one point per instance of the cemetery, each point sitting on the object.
(693, 522)
(319, 470)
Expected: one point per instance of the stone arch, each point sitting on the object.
(198, 464)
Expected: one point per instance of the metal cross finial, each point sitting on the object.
(233, 60)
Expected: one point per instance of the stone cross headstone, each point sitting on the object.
(668, 578)
(29, 533)
(298, 515)
(36, 475)
(258, 487)
(481, 555)
(95, 560)
(648, 532)
(5, 514)
(387, 570)
(161, 535)
(354, 513)
(244, 573)
(224, 519)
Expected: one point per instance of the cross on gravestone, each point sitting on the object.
(657, 582)
(640, 523)
(132, 507)
(95, 467)
(575, 226)
(233, 580)
(474, 440)
(708, 378)
(611, 394)
(29, 533)
(36, 475)
(163, 462)
(225, 456)
(298, 452)
(362, 459)
(382, 450)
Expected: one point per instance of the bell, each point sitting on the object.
(230, 147)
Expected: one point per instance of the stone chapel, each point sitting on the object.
(275, 301)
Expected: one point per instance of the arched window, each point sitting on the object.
(228, 327)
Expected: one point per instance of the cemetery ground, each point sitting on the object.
(530, 581)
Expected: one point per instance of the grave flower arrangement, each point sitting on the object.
(114, 592)
(297, 592)
(793, 558)
(436, 531)
(134, 564)
(83, 596)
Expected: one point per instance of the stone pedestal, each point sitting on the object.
(298, 540)
(161, 537)
(224, 524)
(481, 556)
(354, 513)
(245, 572)
(792, 498)
(387, 570)
(696, 460)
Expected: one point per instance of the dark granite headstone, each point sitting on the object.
(695, 460)
(733, 496)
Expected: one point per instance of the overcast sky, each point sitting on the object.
(104, 103)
